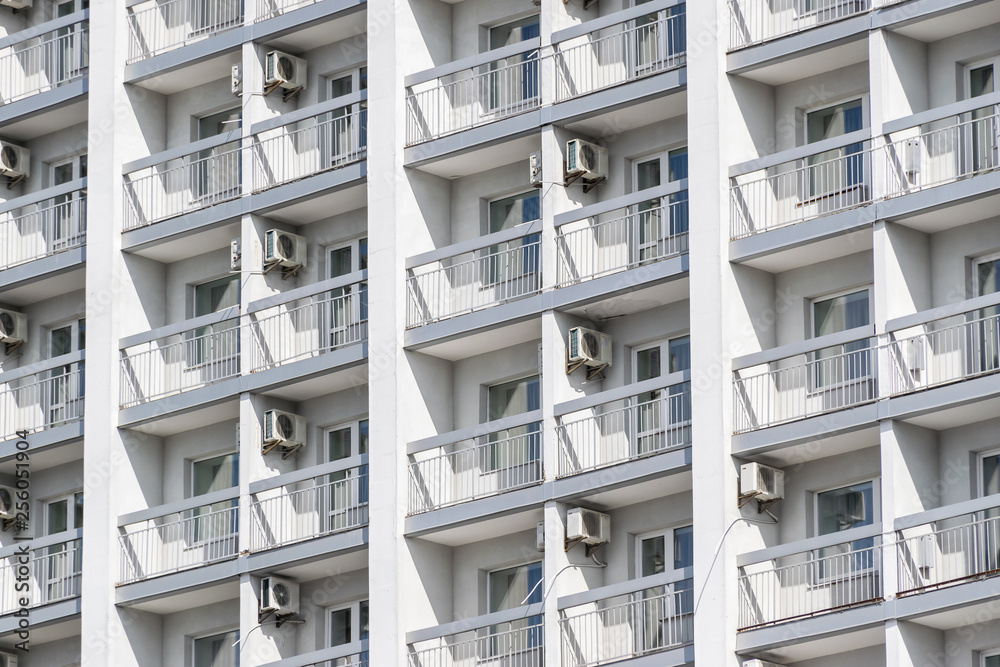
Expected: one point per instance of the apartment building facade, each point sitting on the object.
(449, 334)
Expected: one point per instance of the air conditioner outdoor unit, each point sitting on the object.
(926, 553)
(915, 357)
(15, 4)
(284, 430)
(284, 249)
(762, 482)
(535, 168)
(14, 160)
(284, 70)
(278, 595)
(235, 79)
(13, 327)
(911, 156)
(586, 159)
(588, 526)
(540, 536)
(591, 347)
(235, 254)
(760, 663)
(8, 501)
(9, 659)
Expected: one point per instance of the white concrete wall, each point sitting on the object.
(181, 628)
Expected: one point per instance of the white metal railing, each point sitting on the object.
(328, 504)
(43, 228)
(601, 245)
(490, 275)
(804, 385)
(483, 465)
(821, 580)
(799, 190)
(51, 574)
(43, 62)
(619, 54)
(472, 97)
(755, 21)
(45, 399)
(179, 362)
(628, 626)
(309, 327)
(182, 184)
(949, 551)
(354, 654)
(623, 430)
(517, 643)
(267, 9)
(158, 26)
(178, 541)
(289, 153)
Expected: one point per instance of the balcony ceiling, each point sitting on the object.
(796, 67)
(192, 74)
(328, 32)
(185, 246)
(827, 646)
(960, 415)
(190, 599)
(834, 445)
(954, 22)
(633, 301)
(45, 288)
(608, 125)
(486, 529)
(485, 159)
(32, 126)
(47, 633)
(813, 253)
(193, 419)
(327, 383)
(346, 565)
(48, 458)
(473, 344)
(953, 215)
(321, 207)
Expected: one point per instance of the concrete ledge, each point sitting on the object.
(50, 438)
(307, 551)
(474, 138)
(44, 267)
(950, 598)
(183, 225)
(307, 369)
(816, 627)
(183, 402)
(473, 511)
(178, 582)
(47, 100)
(811, 40)
(959, 393)
(616, 97)
(672, 462)
(802, 233)
(805, 430)
(308, 188)
(48, 614)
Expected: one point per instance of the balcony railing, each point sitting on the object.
(177, 181)
(306, 508)
(44, 61)
(180, 536)
(476, 274)
(755, 21)
(158, 26)
(308, 322)
(42, 396)
(52, 571)
(475, 462)
(624, 424)
(512, 638)
(815, 576)
(623, 233)
(627, 620)
(267, 9)
(644, 45)
(472, 92)
(311, 145)
(179, 358)
(354, 654)
(42, 224)
(817, 376)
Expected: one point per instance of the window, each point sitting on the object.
(517, 258)
(986, 340)
(662, 421)
(348, 125)
(346, 496)
(349, 624)
(507, 589)
(216, 521)
(990, 658)
(842, 509)
(660, 40)
(511, 85)
(981, 135)
(64, 397)
(348, 312)
(661, 228)
(58, 573)
(217, 345)
(664, 612)
(654, 551)
(840, 364)
(64, 219)
(217, 650)
(514, 454)
(837, 173)
(216, 174)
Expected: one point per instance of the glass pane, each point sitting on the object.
(514, 398)
(363, 613)
(647, 174)
(78, 510)
(509, 587)
(363, 436)
(83, 166)
(992, 661)
(683, 547)
(680, 354)
(845, 508)
(62, 173)
(363, 254)
(513, 32)
(57, 517)
(833, 121)
(211, 297)
(981, 81)
(653, 556)
(62, 340)
(840, 313)
(511, 211)
(341, 86)
(987, 275)
(64, 9)
(647, 364)
(217, 123)
(678, 164)
(215, 474)
(81, 335)
(340, 627)
(991, 474)
(340, 262)
(339, 444)
(217, 650)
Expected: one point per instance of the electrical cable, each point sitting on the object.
(718, 548)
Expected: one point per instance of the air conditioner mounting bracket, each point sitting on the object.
(290, 94)
(596, 371)
(11, 182)
(271, 88)
(10, 348)
(289, 271)
(590, 185)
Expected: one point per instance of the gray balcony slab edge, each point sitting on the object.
(959, 393)
(41, 29)
(612, 477)
(817, 627)
(616, 97)
(474, 510)
(307, 551)
(305, 369)
(474, 138)
(48, 100)
(950, 598)
(50, 438)
(183, 225)
(229, 40)
(806, 430)
(186, 401)
(938, 197)
(798, 44)
(44, 267)
(309, 187)
(48, 614)
(802, 234)
(166, 585)
(298, 19)
(324, 656)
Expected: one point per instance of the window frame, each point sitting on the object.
(356, 78)
(864, 98)
(980, 456)
(668, 548)
(497, 265)
(75, 326)
(355, 426)
(664, 345)
(816, 579)
(355, 608)
(190, 516)
(993, 61)
(876, 499)
(976, 261)
(70, 498)
(988, 653)
(867, 287)
(209, 635)
(487, 457)
(489, 580)
(355, 247)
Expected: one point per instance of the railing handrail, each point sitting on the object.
(36, 31)
(940, 113)
(471, 62)
(41, 195)
(308, 112)
(306, 474)
(185, 150)
(799, 152)
(478, 430)
(478, 243)
(947, 512)
(943, 312)
(624, 201)
(808, 544)
(322, 656)
(306, 291)
(42, 366)
(474, 623)
(624, 588)
(178, 506)
(181, 327)
(623, 392)
(615, 18)
(42, 542)
(805, 346)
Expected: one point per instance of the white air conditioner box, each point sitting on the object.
(586, 159)
(911, 156)
(235, 79)
(762, 482)
(591, 347)
(8, 501)
(235, 254)
(285, 249)
(540, 536)
(588, 526)
(14, 160)
(279, 595)
(9, 659)
(284, 428)
(535, 168)
(285, 70)
(13, 326)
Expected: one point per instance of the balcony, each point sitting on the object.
(755, 21)
(42, 396)
(42, 224)
(33, 62)
(179, 181)
(627, 620)
(622, 233)
(306, 507)
(812, 577)
(54, 565)
(483, 460)
(158, 26)
(354, 654)
(180, 536)
(513, 638)
(472, 275)
(625, 424)
(640, 43)
(267, 9)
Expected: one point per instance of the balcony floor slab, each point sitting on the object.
(947, 406)
(466, 141)
(43, 278)
(44, 615)
(803, 431)
(322, 374)
(46, 111)
(833, 626)
(150, 241)
(952, 606)
(45, 441)
(626, 483)
(294, 559)
(574, 111)
(473, 511)
(203, 398)
(196, 587)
